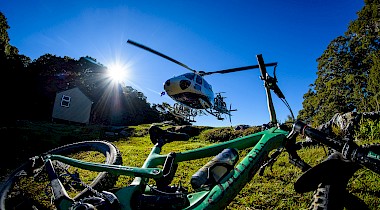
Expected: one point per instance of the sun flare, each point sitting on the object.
(117, 72)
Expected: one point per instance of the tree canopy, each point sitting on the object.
(348, 71)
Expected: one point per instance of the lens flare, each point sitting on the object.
(117, 72)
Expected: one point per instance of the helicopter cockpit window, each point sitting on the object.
(197, 87)
(190, 76)
(198, 79)
(206, 85)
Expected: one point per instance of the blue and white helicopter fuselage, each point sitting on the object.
(191, 90)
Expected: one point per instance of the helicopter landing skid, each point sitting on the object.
(214, 113)
(218, 113)
(186, 113)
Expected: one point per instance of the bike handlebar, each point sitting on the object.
(350, 150)
(317, 135)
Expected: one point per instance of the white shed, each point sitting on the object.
(72, 105)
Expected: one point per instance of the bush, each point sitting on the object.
(368, 129)
(225, 134)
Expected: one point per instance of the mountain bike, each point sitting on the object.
(214, 185)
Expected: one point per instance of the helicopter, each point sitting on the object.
(191, 91)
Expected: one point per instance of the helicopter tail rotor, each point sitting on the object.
(229, 113)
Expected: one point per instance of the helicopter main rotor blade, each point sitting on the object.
(159, 54)
(236, 69)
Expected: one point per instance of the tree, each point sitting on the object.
(13, 73)
(4, 38)
(138, 110)
(48, 75)
(367, 33)
(347, 70)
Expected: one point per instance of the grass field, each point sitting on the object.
(273, 190)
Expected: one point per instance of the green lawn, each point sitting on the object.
(273, 190)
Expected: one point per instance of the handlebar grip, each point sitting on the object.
(371, 163)
(317, 135)
(364, 157)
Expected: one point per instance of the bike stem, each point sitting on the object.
(264, 76)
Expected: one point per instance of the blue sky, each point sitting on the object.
(204, 35)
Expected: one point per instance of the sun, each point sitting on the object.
(117, 72)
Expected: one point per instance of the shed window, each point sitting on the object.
(65, 101)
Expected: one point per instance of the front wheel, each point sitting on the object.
(335, 197)
(331, 193)
(327, 197)
(27, 187)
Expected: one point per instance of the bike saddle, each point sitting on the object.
(335, 169)
(157, 134)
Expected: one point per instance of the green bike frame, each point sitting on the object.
(216, 198)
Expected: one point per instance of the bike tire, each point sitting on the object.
(330, 196)
(102, 181)
(327, 197)
(335, 196)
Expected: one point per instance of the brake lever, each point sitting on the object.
(291, 147)
(272, 84)
(294, 158)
